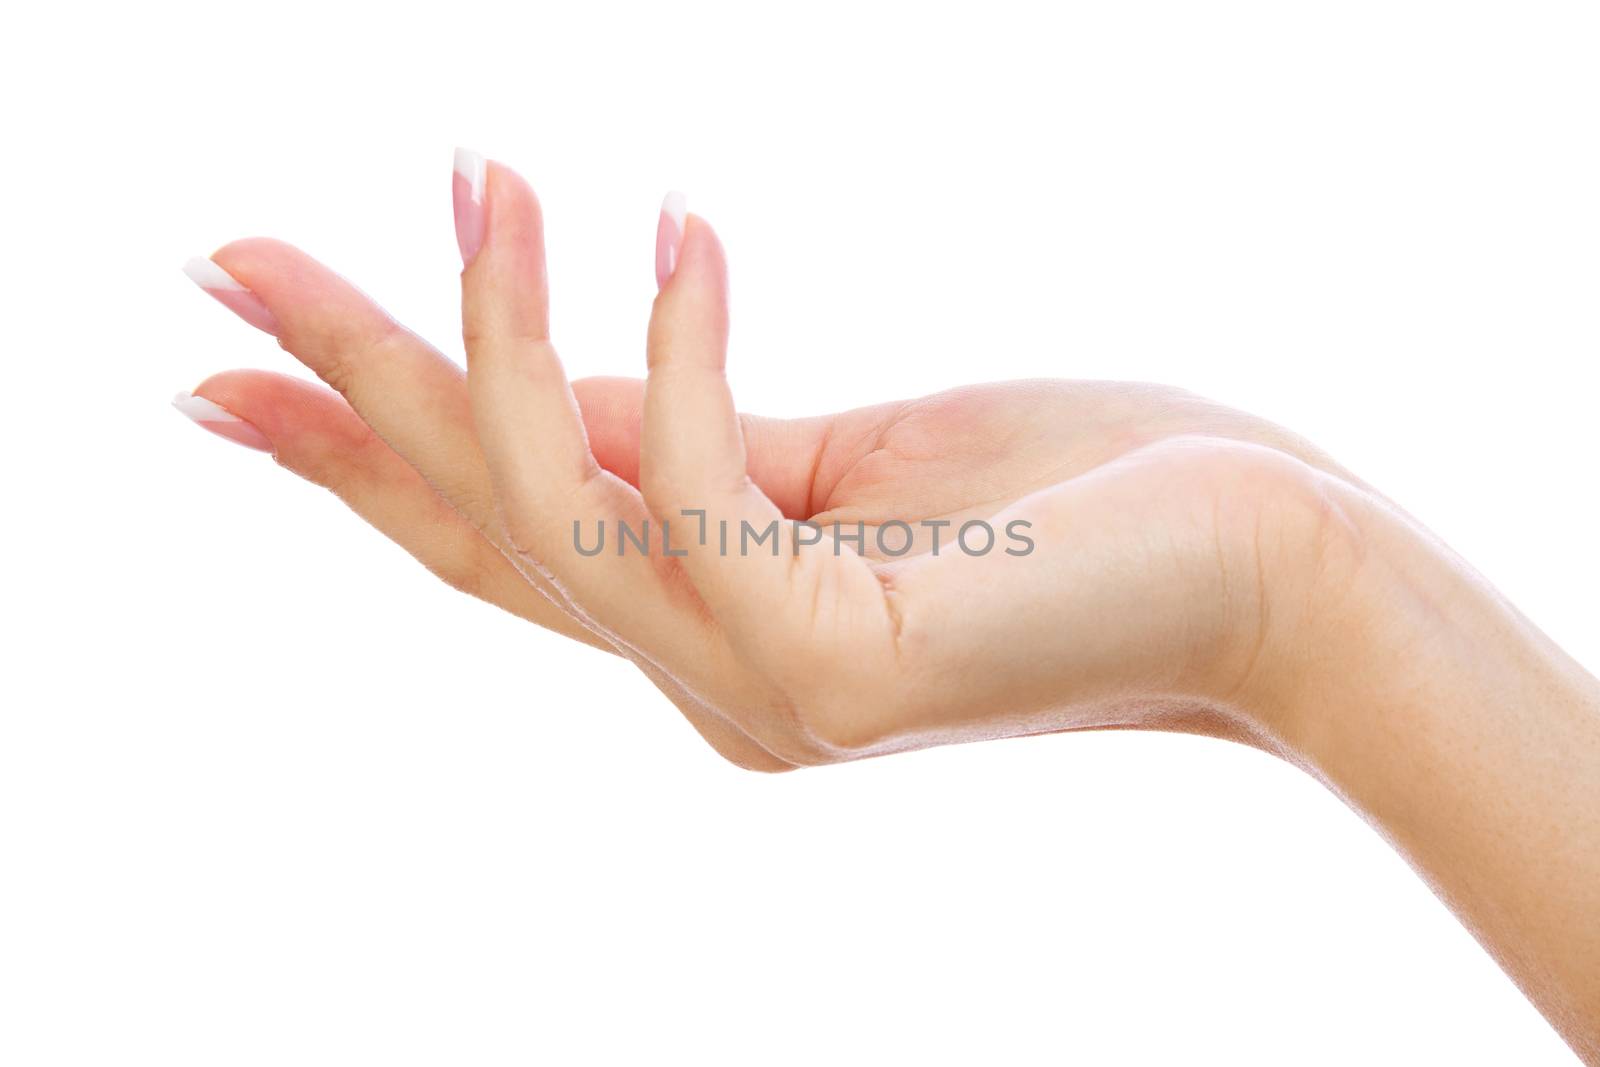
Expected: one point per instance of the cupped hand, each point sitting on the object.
(994, 560)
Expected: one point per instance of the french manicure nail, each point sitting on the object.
(220, 421)
(466, 188)
(669, 236)
(222, 285)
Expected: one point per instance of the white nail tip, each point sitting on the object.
(207, 275)
(676, 208)
(200, 409)
(471, 167)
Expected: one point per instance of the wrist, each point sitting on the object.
(1361, 604)
(1388, 620)
(1470, 740)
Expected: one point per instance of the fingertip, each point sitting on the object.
(291, 295)
(690, 316)
(513, 207)
(505, 289)
(219, 419)
(669, 236)
(247, 258)
(291, 412)
(467, 193)
(686, 245)
(241, 390)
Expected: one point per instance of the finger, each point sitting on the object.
(417, 397)
(545, 477)
(694, 460)
(547, 484)
(693, 457)
(313, 432)
(413, 397)
(407, 392)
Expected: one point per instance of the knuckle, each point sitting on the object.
(336, 369)
(530, 343)
(658, 494)
(342, 363)
(474, 333)
(663, 491)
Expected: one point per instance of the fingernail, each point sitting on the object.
(669, 236)
(466, 188)
(222, 285)
(220, 421)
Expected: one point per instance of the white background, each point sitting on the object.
(269, 794)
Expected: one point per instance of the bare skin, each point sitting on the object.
(1193, 568)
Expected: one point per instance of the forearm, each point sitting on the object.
(1473, 744)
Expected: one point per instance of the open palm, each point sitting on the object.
(1116, 573)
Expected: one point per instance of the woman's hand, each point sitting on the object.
(1156, 561)
(1016, 558)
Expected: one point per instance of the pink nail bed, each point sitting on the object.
(466, 190)
(669, 236)
(220, 421)
(232, 295)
